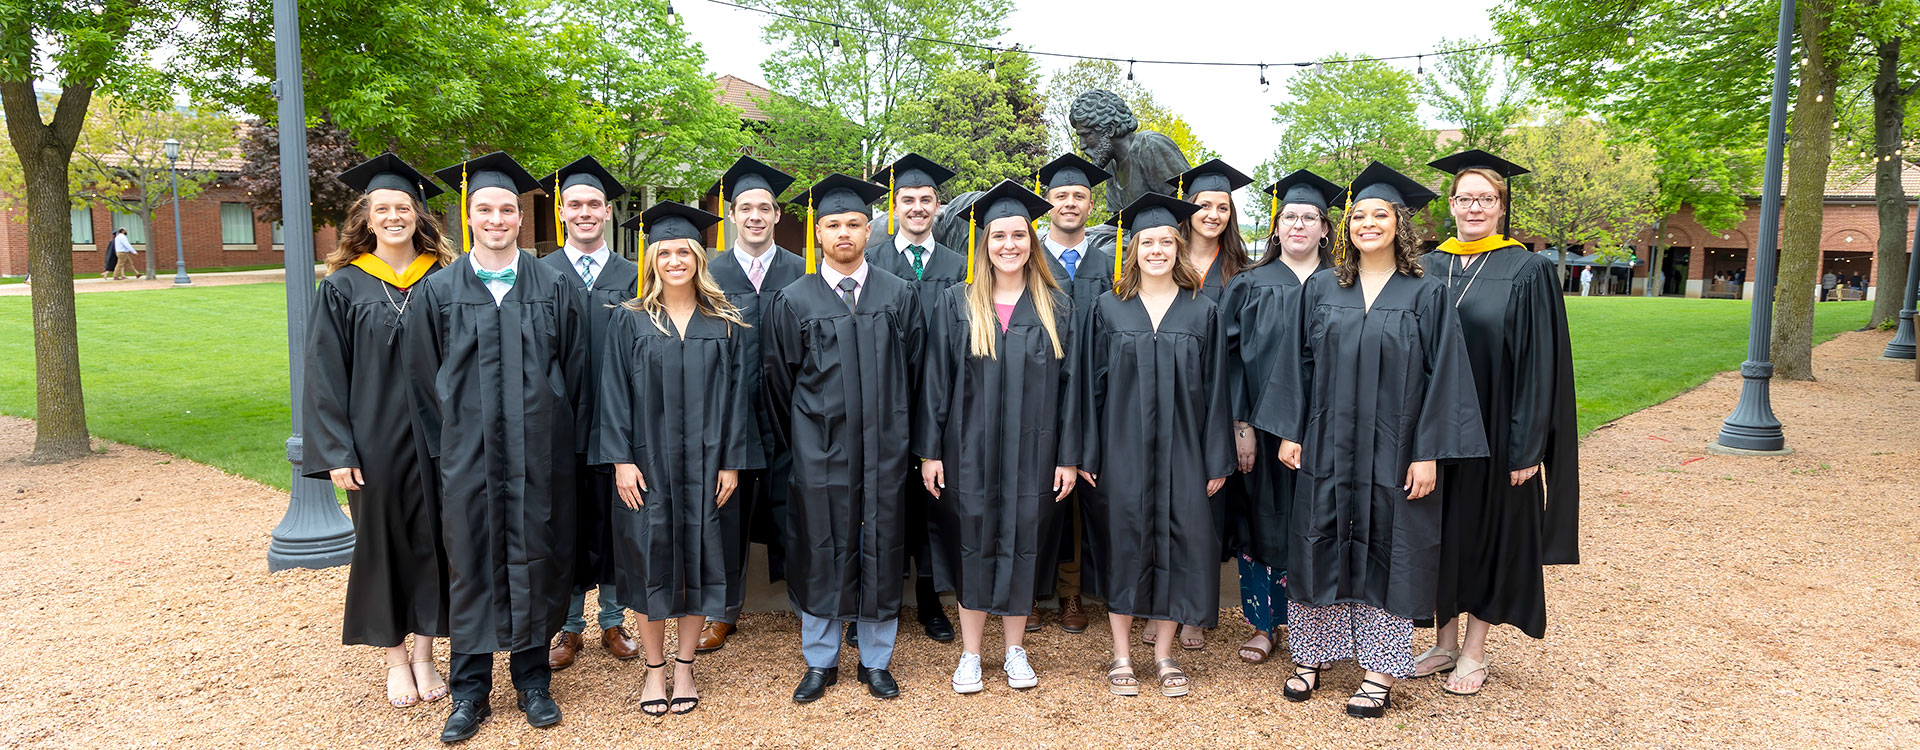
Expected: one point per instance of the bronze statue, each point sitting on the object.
(1109, 135)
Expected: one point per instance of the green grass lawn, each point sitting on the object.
(202, 373)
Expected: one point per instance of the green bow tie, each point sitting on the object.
(505, 275)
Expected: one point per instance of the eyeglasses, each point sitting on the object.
(1469, 201)
(1299, 219)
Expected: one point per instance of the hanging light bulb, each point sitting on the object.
(670, 10)
(1419, 64)
(1129, 70)
(1263, 76)
(836, 41)
(1629, 38)
(1526, 56)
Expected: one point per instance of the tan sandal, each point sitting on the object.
(1466, 667)
(1194, 644)
(1246, 648)
(1452, 656)
(407, 699)
(1169, 670)
(432, 694)
(1121, 668)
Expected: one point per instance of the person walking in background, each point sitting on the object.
(128, 257)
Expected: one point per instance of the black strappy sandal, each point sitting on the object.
(646, 707)
(1382, 701)
(690, 703)
(1301, 672)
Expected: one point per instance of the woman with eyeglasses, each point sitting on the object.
(1258, 313)
(1518, 511)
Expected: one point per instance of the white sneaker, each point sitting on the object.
(966, 677)
(1020, 674)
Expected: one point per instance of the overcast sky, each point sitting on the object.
(1225, 106)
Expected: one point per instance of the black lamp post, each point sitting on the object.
(1901, 347)
(179, 251)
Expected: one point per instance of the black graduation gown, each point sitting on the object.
(679, 410)
(1368, 393)
(1260, 310)
(358, 413)
(1158, 431)
(1093, 276)
(762, 512)
(841, 386)
(1498, 536)
(1213, 283)
(593, 485)
(1001, 426)
(495, 385)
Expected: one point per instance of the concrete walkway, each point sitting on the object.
(165, 281)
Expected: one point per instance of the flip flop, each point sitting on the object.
(1465, 668)
(1452, 655)
(1245, 648)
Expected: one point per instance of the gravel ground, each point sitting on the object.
(1738, 602)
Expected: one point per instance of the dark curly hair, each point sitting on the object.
(1406, 246)
(1105, 110)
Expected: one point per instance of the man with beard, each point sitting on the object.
(584, 191)
(1140, 161)
(496, 347)
(909, 251)
(750, 273)
(842, 349)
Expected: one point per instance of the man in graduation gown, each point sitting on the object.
(497, 347)
(843, 349)
(1083, 267)
(583, 209)
(908, 250)
(750, 272)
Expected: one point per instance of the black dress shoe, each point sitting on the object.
(539, 707)
(879, 682)
(852, 636)
(814, 683)
(938, 626)
(465, 720)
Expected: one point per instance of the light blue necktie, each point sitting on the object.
(1070, 259)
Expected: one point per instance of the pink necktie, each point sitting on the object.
(756, 272)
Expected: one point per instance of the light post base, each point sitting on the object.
(1901, 347)
(1717, 449)
(313, 533)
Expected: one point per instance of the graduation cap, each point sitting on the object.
(1215, 175)
(1069, 169)
(747, 173)
(1381, 181)
(912, 170)
(1305, 188)
(585, 170)
(1150, 211)
(388, 172)
(1471, 158)
(493, 170)
(837, 194)
(1006, 199)
(668, 220)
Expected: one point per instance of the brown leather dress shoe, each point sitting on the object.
(713, 636)
(1073, 619)
(565, 647)
(619, 643)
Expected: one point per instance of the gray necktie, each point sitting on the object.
(847, 285)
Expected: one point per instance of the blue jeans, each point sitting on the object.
(612, 615)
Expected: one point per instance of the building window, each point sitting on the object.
(83, 226)
(236, 224)
(136, 229)
(279, 234)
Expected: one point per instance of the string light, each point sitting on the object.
(1263, 77)
(1420, 65)
(670, 13)
(1129, 70)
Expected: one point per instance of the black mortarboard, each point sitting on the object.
(1070, 169)
(912, 170)
(748, 173)
(493, 170)
(583, 171)
(1381, 181)
(1304, 187)
(1006, 199)
(671, 220)
(388, 172)
(1476, 158)
(839, 194)
(1215, 175)
(1149, 211)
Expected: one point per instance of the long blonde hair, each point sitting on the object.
(981, 317)
(708, 300)
(1184, 273)
(356, 235)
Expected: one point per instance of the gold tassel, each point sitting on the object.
(466, 241)
(970, 239)
(1340, 237)
(1036, 185)
(559, 227)
(1273, 214)
(1180, 187)
(1119, 244)
(812, 266)
(640, 279)
(890, 172)
(723, 218)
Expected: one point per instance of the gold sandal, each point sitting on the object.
(1121, 668)
(435, 693)
(411, 697)
(1169, 670)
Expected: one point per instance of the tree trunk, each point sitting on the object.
(1808, 156)
(1889, 117)
(60, 420)
(153, 241)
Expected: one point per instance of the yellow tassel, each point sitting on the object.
(890, 200)
(1180, 187)
(723, 219)
(1273, 216)
(1340, 237)
(640, 279)
(812, 266)
(971, 226)
(466, 242)
(559, 227)
(1119, 244)
(1036, 185)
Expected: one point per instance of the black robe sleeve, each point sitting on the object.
(1071, 440)
(782, 352)
(423, 354)
(1281, 408)
(1545, 429)
(1448, 426)
(742, 447)
(327, 429)
(1220, 458)
(615, 439)
(1093, 393)
(574, 356)
(1232, 303)
(934, 399)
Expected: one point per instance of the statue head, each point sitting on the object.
(1098, 118)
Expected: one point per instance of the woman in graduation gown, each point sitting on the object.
(997, 428)
(361, 431)
(1375, 397)
(676, 422)
(1260, 311)
(1159, 444)
(1212, 234)
(1509, 516)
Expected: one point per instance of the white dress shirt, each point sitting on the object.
(599, 259)
(499, 288)
(833, 277)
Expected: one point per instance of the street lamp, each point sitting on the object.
(179, 253)
(1901, 347)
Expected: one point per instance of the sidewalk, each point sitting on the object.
(165, 281)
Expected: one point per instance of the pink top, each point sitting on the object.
(1006, 314)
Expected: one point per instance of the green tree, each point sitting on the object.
(986, 125)
(808, 142)
(82, 48)
(1339, 117)
(1583, 191)
(1482, 92)
(867, 78)
(121, 159)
